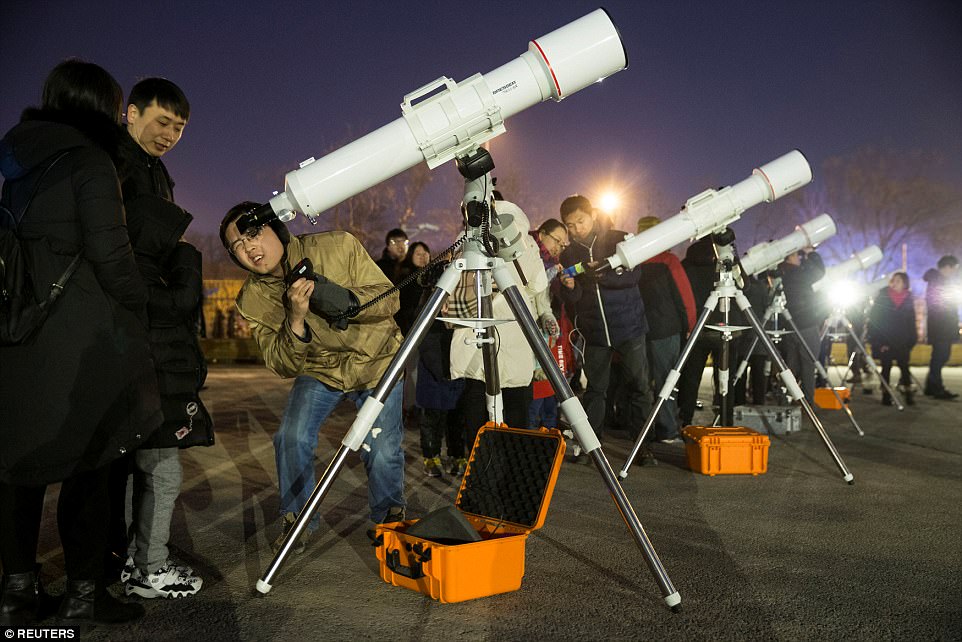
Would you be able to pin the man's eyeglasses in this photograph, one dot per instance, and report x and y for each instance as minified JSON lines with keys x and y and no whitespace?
{"x":398,"y":242}
{"x":251,"y":234}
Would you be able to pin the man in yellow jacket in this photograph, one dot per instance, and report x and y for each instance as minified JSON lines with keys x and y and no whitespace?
{"x":295,"y":321}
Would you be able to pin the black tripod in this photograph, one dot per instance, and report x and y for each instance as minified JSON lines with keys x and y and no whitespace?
{"x":488,"y":243}
{"x":778,"y":309}
{"x":720,"y":298}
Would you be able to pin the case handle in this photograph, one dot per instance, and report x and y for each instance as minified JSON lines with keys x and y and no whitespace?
{"x":393,"y":561}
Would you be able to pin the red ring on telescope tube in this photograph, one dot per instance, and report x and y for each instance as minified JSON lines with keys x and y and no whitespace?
{"x":771,"y":187}
{"x":545,"y":58}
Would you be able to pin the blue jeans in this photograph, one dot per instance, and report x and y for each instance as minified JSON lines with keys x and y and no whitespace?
{"x":308,"y":406}
{"x":543,"y":412}
{"x":662,"y":357}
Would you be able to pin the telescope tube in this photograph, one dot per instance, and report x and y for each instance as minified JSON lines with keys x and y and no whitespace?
{"x":858,"y":261}
{"x":712,"y":210}
{"x":555,"y":66}
{"x":765,"y":256}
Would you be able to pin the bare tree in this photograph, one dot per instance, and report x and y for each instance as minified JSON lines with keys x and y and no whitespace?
{"x":217,"y":263}
{"x":389,"y":204}
{"x":889,"y":198}
{"x":774,"y":220}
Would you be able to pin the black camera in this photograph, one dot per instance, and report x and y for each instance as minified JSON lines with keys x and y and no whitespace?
{"x":303,"y":270}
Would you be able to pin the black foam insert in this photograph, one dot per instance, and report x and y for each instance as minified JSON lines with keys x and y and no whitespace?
{"x":508,"y":475}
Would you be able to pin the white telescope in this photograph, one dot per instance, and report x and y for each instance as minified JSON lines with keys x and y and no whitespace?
{"x":873,"y":287}
{"x":452,"y":118}
{"x":847,"y":293}
{"x":767,"y":255}
{"x":858,"y":261}
{"x":712,"y":210}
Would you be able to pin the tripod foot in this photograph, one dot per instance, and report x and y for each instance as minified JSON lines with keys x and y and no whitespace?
{"x":674,"y":602}
{"x":850,"y":478}
{"x":622,"y":474}
{"x":263,"y":587}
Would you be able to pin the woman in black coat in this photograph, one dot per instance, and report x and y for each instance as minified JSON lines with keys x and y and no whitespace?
{"x":82,"y":391}
{"x":417,"y":257}
{"x":891,"y":331}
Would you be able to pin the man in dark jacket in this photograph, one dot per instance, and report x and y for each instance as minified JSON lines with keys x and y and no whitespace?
{"x":799,"y":272}
{"x":942,"y":303}
{"x":395,"y":249}
{"x":157,"y":113}
{"x":699,"y":266}
{"x":610,"y":315}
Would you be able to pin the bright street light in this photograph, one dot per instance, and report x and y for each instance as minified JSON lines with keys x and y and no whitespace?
{"x":609,"y":202}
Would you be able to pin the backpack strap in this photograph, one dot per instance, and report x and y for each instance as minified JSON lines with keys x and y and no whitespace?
{"x":37,"y":184}
{"x":56,"y":288}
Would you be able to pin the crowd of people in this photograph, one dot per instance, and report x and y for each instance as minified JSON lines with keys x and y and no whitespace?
{"x":87,"y":165}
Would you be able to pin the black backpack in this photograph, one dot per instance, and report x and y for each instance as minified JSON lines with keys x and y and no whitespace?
{"x":21,"y":313}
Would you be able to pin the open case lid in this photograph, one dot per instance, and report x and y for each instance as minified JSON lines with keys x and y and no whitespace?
{"x":511,"y":475}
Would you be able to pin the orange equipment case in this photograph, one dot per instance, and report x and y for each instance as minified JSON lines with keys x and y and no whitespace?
{"x":825,"y":399}
{"x":714,"y":450}
{"x":505,"y":495}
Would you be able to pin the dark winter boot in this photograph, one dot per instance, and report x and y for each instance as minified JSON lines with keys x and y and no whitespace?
{"x":87,"y":601}
{"x":19,"y":600}
{"x":886,"y":398}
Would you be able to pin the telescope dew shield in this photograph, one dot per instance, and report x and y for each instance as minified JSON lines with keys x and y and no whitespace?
{"x":868,"y":257}
{"x":872,"y":287}
{"x":713,"y":210}
{"x":580,"y":53}
{"x":818,"y":229}
{"x":765,"y":256}
{"x":861,"y":260}
{"x":460,"y":116}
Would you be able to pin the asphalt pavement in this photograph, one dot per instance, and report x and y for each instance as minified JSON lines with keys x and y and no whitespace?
{"x":793,"y":554}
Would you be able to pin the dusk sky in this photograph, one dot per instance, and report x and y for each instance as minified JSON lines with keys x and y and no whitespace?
{"x":713,"y":89}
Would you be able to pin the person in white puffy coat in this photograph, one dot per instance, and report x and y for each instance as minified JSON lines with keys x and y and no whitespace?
{"x":516,"y":361}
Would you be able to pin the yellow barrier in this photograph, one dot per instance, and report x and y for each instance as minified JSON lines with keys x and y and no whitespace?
{"x":920,"y":356}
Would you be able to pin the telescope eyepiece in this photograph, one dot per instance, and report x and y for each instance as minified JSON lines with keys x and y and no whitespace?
{"x":255,"y":218}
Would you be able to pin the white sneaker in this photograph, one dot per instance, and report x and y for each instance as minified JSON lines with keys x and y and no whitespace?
{"x":168,"y":581}
{"x":129,"y":568}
